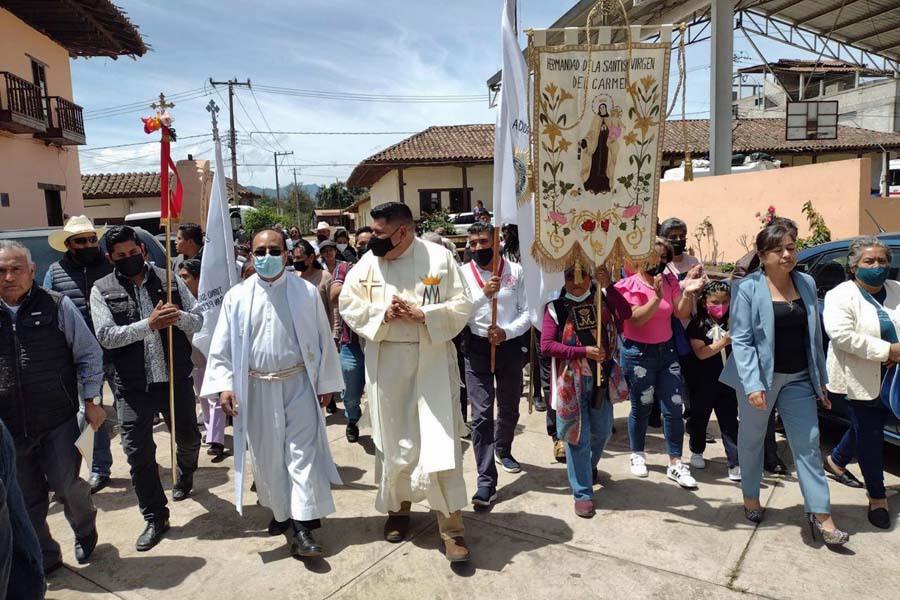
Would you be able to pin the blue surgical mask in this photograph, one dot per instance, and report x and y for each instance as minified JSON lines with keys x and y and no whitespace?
{"x":873,"y":276}
{"x":268,"y":266}
{"x":580,"y":298}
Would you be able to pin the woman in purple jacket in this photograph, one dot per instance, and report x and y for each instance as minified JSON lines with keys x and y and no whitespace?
{"x":584,"y":414}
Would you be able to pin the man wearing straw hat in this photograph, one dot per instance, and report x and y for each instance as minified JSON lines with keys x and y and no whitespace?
{"x":130,"y":313}
{"x":74,"y":276}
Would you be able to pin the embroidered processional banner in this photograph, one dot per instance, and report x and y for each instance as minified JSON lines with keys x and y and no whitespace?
{"x":599,"y":116}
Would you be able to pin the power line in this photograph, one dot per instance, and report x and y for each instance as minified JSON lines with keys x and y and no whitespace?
{"x":265,"y":120}
{"x":135,"y":109}
{"x":354,"y":97}
{"x":140,"y":104}
{"x":337,"y":132}
{"x":180,"y":138}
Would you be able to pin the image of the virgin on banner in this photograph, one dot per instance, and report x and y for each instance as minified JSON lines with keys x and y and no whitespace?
{"x":599,"y":115}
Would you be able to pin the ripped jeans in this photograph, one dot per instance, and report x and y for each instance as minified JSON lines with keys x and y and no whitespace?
{"x":652,"y":371}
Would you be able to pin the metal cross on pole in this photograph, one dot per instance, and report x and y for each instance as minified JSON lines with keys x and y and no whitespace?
{"x":213,"y":109}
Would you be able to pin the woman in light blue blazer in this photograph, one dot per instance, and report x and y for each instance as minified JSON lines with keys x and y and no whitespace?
{"x":777,"y":360}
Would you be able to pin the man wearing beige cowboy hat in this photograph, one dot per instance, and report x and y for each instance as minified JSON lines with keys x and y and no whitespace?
{"x":323,"y":233}
{"x":74,"y":276}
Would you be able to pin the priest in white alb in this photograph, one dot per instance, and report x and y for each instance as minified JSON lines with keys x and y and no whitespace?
{"x":273,"y":365}
{"x":408,"y":300}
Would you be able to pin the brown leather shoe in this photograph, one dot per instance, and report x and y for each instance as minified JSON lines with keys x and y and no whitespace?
{"x":396,"y":528}
{"x":455,"y":549}
{"x":559,"y":451}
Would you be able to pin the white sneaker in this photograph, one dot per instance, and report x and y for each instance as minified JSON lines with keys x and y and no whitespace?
{"x":734,"y":473}
{"x":638,"y":465}
{"x":697,"y":461}
{"x":680,"y":473}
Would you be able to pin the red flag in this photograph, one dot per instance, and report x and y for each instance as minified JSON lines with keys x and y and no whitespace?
{"x":168,"y":203}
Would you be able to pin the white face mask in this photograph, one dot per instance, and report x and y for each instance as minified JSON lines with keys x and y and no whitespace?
{"x":341,"y":247}
{"x":580,"y":298}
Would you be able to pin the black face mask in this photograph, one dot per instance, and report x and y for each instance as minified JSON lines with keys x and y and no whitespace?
{"x":678,"y":246}
{"x":301,"y":266}
{"x":361,"y":249}
{"x":381,"y":246}
{"x":130,"y":265}
{"x":321,"y":238}
{"x":658,"y":269}
{"x":484,"y":256}
{"x":86,"y":256}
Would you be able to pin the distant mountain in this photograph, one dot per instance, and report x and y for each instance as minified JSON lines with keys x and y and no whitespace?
{"x":311,"y":188}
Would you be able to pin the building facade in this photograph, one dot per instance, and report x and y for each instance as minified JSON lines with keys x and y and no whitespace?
{"x":40,"y":125}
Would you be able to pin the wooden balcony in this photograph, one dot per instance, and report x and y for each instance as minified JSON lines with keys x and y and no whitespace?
{"x":65,"y":124}
{"x":21,"y":108}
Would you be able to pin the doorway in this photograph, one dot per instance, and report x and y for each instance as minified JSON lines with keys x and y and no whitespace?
{"x":53,"y":202}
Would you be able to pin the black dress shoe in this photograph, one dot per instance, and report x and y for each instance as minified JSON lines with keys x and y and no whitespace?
{"x":880,"y":518}
{"x":85,"y":546}
{"x":277,"y":527}
{"x":778,"y":468}
{"x":332,"y":407}
{"x":152,"y":534}
{"x":846,"y":478}
{"x":217,"y":450}
{"x":352,"y":433}
{"x":540,"y":405}
{"x":98,"y":482}
{"x":183,"y":489}
{"x":306,"y":546}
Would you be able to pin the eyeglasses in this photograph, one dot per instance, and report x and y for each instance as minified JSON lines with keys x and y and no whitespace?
{"x":83,"y":241}
{"x":271,"y":251}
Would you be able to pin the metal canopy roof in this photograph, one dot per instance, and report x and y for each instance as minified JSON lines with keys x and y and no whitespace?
{"x":872,"y":26}
{"x":862,"y":32}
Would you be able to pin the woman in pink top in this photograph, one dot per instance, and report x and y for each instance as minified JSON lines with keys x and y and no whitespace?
{"x":650,"y":361}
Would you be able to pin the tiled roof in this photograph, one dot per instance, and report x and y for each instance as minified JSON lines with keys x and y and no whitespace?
{"x":768,"y":135}
{"x":450,"y":144}
{"x":474,"y":144}
{"x":133,"y":185}
{"x":84,"y":28}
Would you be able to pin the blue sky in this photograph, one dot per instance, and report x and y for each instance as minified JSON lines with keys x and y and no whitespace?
{"x":384,"y":47}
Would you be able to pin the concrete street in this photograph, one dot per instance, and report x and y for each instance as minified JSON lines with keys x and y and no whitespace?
{"x":650,"y":539}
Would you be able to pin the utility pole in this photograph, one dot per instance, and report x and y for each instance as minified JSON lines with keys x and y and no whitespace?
{"x":231,"y":83}
{"x":277,"y":190}
{"x":296,"y":192}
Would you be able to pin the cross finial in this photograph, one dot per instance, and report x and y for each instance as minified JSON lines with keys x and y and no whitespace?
{"x":213,"y":109}
{"x":162,"y":104}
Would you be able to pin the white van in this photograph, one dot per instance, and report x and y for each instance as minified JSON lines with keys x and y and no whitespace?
{"x":151,"y":220}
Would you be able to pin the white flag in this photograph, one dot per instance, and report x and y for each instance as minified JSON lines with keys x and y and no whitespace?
{"x":511,"y":138}
{"x":217,"y":269}
{"x":513,"y":204}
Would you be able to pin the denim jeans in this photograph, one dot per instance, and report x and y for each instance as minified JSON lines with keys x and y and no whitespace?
{"x":353,"y":368}
{"x":652,"y":371}
{"x":582,"y":459}
{"x":20,"y":550}
{"x":795,"y":399}
{"x":865,"y":439}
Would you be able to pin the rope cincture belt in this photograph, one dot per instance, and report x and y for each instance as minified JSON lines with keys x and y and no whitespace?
{"x":278,"y":375}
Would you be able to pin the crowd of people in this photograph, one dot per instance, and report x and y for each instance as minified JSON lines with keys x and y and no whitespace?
{"x":439,"y":351}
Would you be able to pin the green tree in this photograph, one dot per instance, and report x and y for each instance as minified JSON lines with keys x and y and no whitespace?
{"x":264,"y":216}
{"x":338,"y":195}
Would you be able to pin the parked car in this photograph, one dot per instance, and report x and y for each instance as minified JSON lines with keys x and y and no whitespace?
{"x":35,"y":239}
{"x":827,"y":263}
{"x":462,"y":222}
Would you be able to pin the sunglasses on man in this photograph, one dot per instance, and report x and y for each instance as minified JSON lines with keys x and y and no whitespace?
{"x":271,"y":251}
